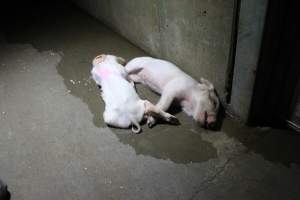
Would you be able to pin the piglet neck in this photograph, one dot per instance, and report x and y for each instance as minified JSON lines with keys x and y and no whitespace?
{"x":187,"y":106}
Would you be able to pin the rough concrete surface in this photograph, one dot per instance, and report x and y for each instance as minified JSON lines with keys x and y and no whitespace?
{"x":194,"y":34}
{"x":54,"y":144}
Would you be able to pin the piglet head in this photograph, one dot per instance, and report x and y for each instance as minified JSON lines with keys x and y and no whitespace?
{"x":206,"y":104}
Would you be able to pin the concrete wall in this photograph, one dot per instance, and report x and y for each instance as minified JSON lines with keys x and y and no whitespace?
{"x":250,"y":33}
{"x":194,"y":34}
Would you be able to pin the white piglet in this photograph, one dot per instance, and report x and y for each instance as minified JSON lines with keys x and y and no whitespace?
{"x":197,"y":99}
{"x":123,"y":106}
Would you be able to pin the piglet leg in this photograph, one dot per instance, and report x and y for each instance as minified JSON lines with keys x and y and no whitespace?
{"x":168,"y":95}
{"x":152,"y":111}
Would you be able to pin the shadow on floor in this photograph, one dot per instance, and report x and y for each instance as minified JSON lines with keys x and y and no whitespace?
{"x":275,"y":145}
{"x":4,"y":193}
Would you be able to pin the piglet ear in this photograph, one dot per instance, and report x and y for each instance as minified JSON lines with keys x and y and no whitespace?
{"x":95,"y":62}
{"x":121,"y":60}
{"x":209,"y":85}
{"x":202,"y":86}
{"x":98,"y":59}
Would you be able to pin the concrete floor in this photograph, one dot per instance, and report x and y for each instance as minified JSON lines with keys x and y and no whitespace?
{"x":54,"y":144}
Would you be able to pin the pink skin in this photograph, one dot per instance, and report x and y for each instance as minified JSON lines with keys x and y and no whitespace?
{"x":111,"y":76}
{"x":103,"y":73}
{"x":210,"y":118}
{"x":163,"y":77}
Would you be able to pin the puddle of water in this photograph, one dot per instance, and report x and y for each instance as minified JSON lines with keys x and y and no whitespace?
{"x":79,"y":38}
{"x":181,"y":144}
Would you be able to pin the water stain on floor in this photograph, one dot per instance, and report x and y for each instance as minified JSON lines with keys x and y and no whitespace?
{"x":78,"y":37}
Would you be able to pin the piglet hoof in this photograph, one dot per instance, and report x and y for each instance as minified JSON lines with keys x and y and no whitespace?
{"x":173,"y":120}
{"x":150,"y":125}
{"x":151,"y":122}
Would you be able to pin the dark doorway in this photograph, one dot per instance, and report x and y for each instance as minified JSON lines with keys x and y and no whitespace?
{"x":276,"y":91}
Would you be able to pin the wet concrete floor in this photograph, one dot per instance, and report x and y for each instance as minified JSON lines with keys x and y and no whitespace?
{"x":52,"y":124}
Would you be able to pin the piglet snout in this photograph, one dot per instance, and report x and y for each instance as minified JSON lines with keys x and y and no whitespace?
{"x":209,"y":121}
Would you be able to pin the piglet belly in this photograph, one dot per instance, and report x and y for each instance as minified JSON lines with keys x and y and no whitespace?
{"x":153,"y":81}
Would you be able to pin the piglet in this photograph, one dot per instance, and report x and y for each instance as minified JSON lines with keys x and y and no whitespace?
{"x":123,"y":106}
{"x":197,"y":99}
